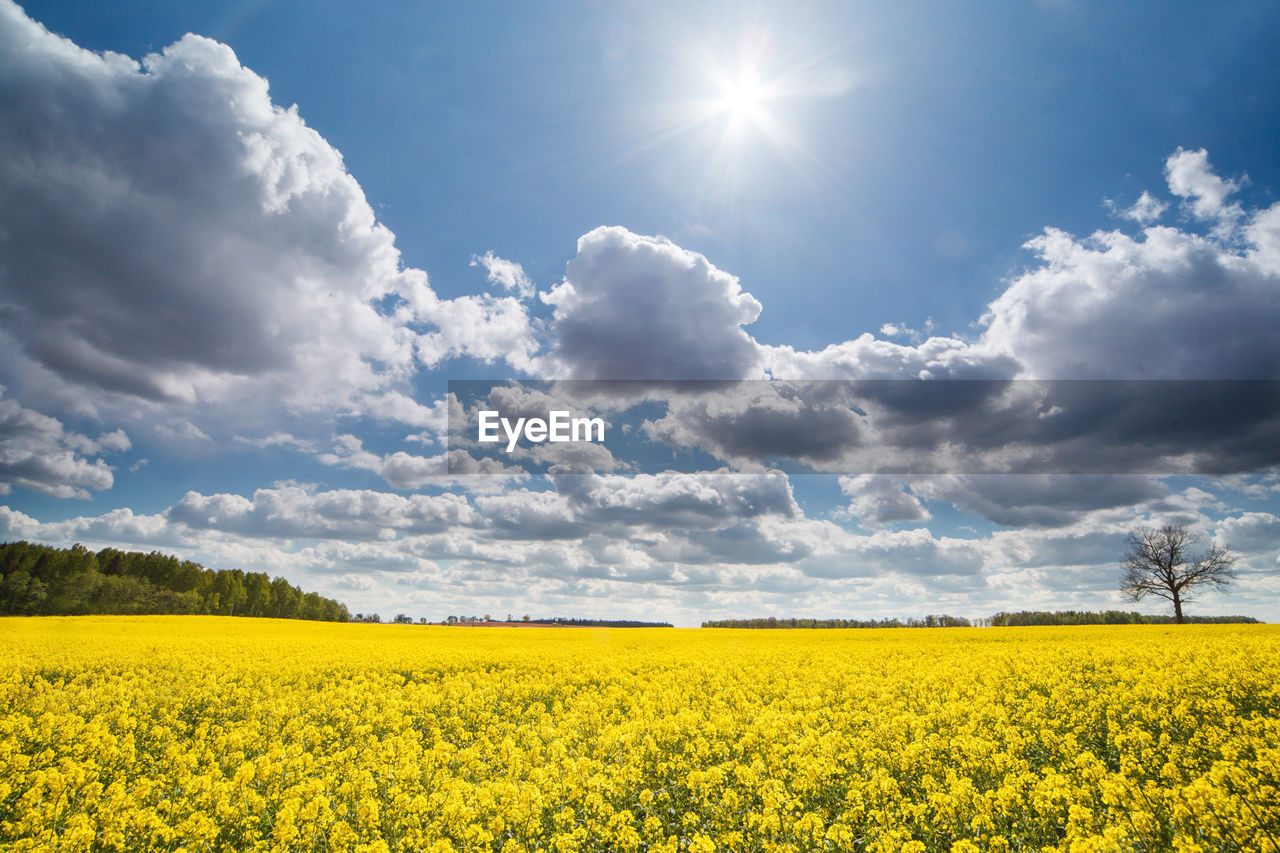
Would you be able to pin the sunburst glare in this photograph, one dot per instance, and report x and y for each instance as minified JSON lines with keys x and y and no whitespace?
{"x":731,"y":115}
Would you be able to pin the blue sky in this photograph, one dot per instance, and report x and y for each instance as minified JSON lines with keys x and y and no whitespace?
{"x":229,"y":308}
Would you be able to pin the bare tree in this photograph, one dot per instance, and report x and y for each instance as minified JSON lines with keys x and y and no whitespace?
{"x":1159,"y":562}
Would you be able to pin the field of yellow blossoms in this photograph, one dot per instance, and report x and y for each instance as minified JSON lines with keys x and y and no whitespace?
{"x":207,"y":733}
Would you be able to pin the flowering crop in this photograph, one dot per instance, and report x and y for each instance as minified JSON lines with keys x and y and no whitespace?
{"x":208,"y":733}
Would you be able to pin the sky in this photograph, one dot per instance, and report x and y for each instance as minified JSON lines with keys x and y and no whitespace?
{"x":246,"y":246}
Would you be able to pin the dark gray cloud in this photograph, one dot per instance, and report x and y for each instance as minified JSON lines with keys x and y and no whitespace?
{"x":1100,"y":547}
{"x":750,"y":422}
{"x":1038,"y":500}
{"x":903,"y":427}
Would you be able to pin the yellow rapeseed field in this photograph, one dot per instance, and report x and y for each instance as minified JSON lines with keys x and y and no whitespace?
{"x":207,"y":733}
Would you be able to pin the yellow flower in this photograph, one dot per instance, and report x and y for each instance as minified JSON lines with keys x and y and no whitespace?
{"x":206,"y":733}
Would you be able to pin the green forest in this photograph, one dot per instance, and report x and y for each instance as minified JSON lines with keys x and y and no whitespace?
{"x":39,"y":580}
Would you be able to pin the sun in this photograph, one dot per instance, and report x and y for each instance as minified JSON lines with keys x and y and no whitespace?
{"x":740,"y":101}
{"x":733,"y":118}
{"x":743,"y":98}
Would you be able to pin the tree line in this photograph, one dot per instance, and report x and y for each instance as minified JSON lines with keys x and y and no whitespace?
{"x":1000,"y":620}
{"x":1106,"y":617}
{"x":39,"y":580}
{"x":554,"y":621}
{"x":931,"y":621}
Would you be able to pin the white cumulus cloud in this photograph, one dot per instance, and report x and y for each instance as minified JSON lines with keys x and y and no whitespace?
{"x":172,"y":235}
{"x":635,"y":307}
{"x":876,"y":500}
{"x":37,"y":452}
{"x":509,"y":274}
